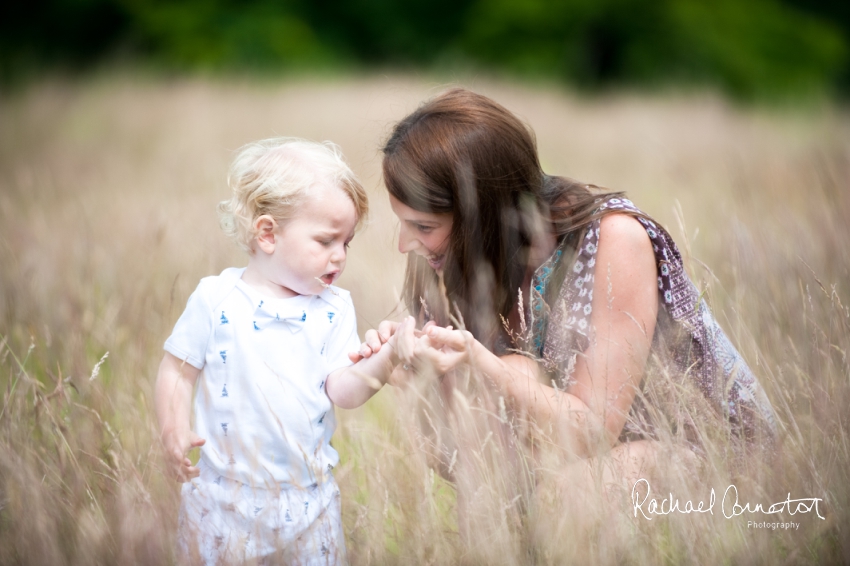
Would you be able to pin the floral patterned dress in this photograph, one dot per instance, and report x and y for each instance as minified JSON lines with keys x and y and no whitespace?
{"x":688,"y":343}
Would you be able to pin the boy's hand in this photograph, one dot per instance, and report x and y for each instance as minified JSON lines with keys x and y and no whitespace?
{"x":176,"y":446}
{"x":374,"y":340}
{"x":173,"y":390}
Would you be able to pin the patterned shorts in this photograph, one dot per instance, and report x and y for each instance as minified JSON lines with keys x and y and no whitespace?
{"x":224,"y":521}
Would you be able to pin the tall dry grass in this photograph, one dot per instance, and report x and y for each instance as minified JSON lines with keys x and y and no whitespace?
{"x":107,"y":194}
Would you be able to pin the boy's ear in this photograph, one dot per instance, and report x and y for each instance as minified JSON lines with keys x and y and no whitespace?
{"x":265,"y":228}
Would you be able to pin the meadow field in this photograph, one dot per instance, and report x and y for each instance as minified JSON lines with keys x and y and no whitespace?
{"x":108,"y":188}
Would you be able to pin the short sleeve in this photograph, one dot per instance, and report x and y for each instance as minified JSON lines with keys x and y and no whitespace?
{"x":344,"y":339}
{"x":191,"y":334}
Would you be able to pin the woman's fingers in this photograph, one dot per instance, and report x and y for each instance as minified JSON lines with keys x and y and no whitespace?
{"x":425,"y":328}
{"x":439,"y":361}
{"x":446,"y":337}
{"x":435,"y":348}
{"x":440,"y":350}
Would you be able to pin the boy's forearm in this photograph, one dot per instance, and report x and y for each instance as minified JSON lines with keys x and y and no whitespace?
{"x":350,"y":387}
{"x":173,"y":405}
{"x":173,"y":395}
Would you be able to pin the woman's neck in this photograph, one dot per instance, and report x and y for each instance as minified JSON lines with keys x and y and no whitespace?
{"x":543,"y":245}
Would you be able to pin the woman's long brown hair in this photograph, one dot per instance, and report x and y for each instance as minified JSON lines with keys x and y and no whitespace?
{"x":463,"y":153}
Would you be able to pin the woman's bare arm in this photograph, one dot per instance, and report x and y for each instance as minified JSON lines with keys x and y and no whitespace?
{"x":625,"y":307}
{"x":607,"y":374}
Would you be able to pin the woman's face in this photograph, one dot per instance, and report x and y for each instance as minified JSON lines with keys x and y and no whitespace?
{"x":424,"y":233}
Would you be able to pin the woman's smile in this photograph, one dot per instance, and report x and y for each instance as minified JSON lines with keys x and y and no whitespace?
{"x":436,"y":261}
{"x":424,"y":233}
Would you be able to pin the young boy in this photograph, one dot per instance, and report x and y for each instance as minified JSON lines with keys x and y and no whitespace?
{"x":272,"y":340}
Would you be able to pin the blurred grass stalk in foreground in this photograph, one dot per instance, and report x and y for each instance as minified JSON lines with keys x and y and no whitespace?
{"x":107,"y":193}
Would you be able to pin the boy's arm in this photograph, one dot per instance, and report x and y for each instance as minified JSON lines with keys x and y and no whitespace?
{"x":173,"y":399}
{"x":351,"y":386}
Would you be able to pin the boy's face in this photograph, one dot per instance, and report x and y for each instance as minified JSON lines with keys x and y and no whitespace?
{"x":312,"y":246}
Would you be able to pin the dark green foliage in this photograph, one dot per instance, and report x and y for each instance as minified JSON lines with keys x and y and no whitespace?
{"x":836,"y":12}
{"x":381,"y":31}
{"x":222,"y":33}
{"x":752,"y":49}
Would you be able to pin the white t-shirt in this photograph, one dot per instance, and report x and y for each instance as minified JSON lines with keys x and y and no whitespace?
{"x":260,"y":402}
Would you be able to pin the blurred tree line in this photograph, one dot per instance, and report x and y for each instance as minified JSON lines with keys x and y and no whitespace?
{"x":749,"y":48}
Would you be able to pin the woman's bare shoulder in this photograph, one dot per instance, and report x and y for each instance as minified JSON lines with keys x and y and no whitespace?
{"x":626,"y":260}
{"x":621,"y":235}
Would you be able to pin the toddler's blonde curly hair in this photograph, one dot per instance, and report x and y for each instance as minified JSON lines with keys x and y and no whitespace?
{"x":273,"y":176}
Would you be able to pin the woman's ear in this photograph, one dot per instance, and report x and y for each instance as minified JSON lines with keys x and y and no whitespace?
{"x":265,"y":228}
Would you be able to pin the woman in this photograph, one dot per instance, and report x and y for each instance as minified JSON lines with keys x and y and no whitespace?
{"x":588,"y":288}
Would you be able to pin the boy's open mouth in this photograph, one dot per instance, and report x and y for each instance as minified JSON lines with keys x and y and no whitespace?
{"x":328,"y":278}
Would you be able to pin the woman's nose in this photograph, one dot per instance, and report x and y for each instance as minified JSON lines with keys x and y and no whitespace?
{"x":406,"y":242}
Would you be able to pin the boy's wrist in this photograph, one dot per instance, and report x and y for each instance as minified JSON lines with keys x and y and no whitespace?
{"x":171,"y":431}
{"x":388,"y":354}
{"x":388,"y":360}
{"x":392,"y":355}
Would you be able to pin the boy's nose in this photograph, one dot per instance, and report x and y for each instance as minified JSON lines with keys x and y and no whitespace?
{"x":338,"y":254}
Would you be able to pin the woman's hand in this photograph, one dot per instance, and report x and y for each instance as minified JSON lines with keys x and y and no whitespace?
{"x":435,"y":349}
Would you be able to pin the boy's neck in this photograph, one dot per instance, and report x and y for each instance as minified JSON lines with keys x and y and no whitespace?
{"x":256,"y":277}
